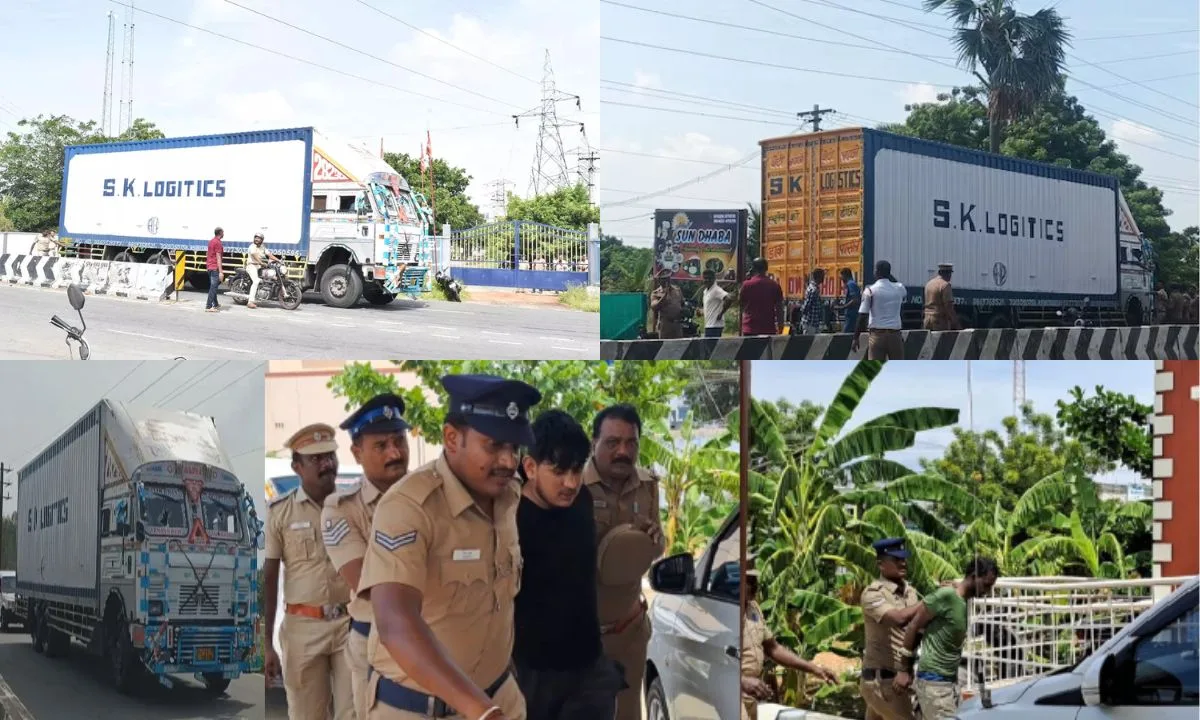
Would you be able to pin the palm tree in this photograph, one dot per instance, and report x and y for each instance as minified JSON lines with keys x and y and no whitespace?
{"x":754,"y":234}
{"x":1019,"y":58}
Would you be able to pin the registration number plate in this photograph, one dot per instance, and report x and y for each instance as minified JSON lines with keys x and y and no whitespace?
{"x":205,"y":654}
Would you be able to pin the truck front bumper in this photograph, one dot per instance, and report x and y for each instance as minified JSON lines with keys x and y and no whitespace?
{"x":217,"y":649}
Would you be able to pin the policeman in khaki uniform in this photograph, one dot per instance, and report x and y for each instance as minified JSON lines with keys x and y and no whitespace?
{"x":443,"y":566}
{"x":379,"y":441}
{"x":939,"y":301}
{"x":629,"y":538}
{"x":667,"y":303}
{"x":759,"y":644}
{"x":888,"y":605}
{"x":316,"y":672}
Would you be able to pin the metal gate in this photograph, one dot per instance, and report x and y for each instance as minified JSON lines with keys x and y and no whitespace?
{"x":520,"y":254}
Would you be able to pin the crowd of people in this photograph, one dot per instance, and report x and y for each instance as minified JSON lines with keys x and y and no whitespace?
{"x":501,"y":581}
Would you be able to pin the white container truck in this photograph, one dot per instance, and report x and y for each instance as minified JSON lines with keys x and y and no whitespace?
{"x":344,"y":221}
{"x":135,"y":538}
{"x":1026,"y":238}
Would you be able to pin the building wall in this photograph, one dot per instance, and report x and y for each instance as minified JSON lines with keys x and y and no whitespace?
{"x":1176,"y":474}
{"x":297,"y":395}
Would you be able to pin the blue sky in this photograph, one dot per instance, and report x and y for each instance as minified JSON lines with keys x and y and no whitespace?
{"x":190,"y":82}
{"x":646,"y":150}
{"x":944,"y":384}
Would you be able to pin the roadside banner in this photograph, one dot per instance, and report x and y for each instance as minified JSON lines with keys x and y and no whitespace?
{"x":688,"y":242}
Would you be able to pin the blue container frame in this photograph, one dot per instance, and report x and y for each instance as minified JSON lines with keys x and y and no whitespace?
{"x":876,"y":140}
{"x":304,"y":134}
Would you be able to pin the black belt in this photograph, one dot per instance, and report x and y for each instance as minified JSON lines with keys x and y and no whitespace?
{"x":396,"y":695}
{"x":362,"y":628}
{"x":872,"y":674}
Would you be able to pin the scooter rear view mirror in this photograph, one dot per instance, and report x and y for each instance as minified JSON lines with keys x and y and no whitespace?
{"x":75,"y":297}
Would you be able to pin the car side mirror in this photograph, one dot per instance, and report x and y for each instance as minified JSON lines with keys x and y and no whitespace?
{"x":1107,"y":678}
{"x":673,"y":575}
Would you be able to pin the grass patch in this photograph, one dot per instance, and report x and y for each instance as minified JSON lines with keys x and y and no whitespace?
{"x":577,"y":297}
{"x":437,"y":293}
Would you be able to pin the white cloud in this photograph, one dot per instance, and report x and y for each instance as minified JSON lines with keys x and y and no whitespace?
{"x":646,"y":80}
{"x":1129,"y":130}
{"x":914,"y":93}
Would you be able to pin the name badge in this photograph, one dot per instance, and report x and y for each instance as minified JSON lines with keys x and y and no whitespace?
{"x":599,"y":503}
{"x":460,"y":555}
{"x":300,"y":525}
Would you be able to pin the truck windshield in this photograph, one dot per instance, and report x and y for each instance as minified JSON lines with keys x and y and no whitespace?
{"x":407,"y":210}
{"x":8,"y":584}
{"x":166,"y":511}
{"x":222,"y":514}
{"x":163,"y":508}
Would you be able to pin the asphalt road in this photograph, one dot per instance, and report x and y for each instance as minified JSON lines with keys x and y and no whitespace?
{"x":76,"y":687}
{"x":405,"y":330}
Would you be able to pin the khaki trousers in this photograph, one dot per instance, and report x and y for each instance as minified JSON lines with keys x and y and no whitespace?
{"x":885,"y":345}
{"x":629,"y":649}
{"x":508,"y":697}
{"x":316,"y":672}
{"x":883,"y":702}
{"x":356,"y":658}
{"x":938,"y":700}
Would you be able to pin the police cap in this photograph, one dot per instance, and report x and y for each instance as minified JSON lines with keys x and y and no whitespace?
{"x":316,"y":439}
{"x":381,"y":414}
{"x":890,"y":547}
{"x":495,"y":406}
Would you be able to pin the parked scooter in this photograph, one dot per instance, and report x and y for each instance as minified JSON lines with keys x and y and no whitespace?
{"x":275,"y":286}
{"x":450,"y":287}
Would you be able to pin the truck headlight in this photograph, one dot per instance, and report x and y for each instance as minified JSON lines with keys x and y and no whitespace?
{"x":155,"y":608}
{"x":243,"y":609}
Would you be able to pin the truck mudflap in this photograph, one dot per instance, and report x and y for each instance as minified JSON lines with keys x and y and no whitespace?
{"x":198,"y":650}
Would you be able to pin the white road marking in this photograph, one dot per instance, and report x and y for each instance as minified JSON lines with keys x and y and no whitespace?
{"x":504,"y":342}
{"x":184,"y":342}
{"x":452,"y":312}
{"x":439,"y":327}
{"x":395,"y":330}
{"x":488,"y":332}
{"x":555,"y":339}
{"x":571,"y":349}
{"x":10,"y":705}
{"x":448,"y":337}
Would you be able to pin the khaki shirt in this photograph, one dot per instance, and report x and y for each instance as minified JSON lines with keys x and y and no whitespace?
{"x":755,"y":633}
{"x":667,"y":303}
{"x":635,"y":503}
{"x":346,"y":525}
{"x":939,"y":300}
{"x":294,"y":536}
{"x":256,"y":256}
{"x":883,"y":641}
{"x":429,"y":534}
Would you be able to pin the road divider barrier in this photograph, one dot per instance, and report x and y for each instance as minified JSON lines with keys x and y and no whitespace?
{"x":1160,"y":342}
{"x":143,"y":281}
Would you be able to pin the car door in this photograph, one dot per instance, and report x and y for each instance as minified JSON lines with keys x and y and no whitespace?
{"x":707,"y":629}
{"x":1166,"y":674}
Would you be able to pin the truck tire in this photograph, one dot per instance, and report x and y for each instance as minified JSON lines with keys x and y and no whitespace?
{"x":3,"y":621}
{"x":215,"y":683}
{"x":198,"y":280}
{"x":39,"y":631}
{"x":123,"y":661}
{"x":124,"y":256}
{"x":376,"y":295}
{"x":58,"y":643}
{"x":656,"y":701}
{"x":341,"y":286}
{"x":1134,"y":316}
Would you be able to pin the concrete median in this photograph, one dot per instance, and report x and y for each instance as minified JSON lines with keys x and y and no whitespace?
{"x":11,"y":707}
{"x":143,"y":281}
{"x":1160,"y":342}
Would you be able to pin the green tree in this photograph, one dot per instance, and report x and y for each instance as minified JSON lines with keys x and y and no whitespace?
{"x":1111,"y":424}
{"x":624,"y":268}
{"x":450,"y":200}
{"x":754,"y":236}
{"x":566,"y":208}
{"x":1059,"y":131}
{"x":1019,"y":58}
{"x":1176,"y":257}
{"x":31,"y":165}
{"x":6,"y":225}
{"x":714,"y":390}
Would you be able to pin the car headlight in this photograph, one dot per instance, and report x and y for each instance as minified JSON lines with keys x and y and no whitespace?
{"x":155,"y":608}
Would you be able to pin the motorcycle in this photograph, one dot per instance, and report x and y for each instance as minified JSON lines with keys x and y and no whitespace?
{"x":451,"y":288}
{"x":275,"y":286}
{"x":689,"y":326}
{"x":1076,"y":317}
{"x":75,"y":334}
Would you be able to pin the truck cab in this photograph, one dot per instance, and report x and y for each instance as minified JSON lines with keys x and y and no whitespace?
{"x":1136,"y":268}
{"x":8,"y":600}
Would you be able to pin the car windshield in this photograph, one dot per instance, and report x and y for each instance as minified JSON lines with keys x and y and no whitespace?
{"x":8,"y":583}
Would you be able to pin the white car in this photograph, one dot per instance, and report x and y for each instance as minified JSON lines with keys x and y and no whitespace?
{"x":693,"y":666}
{"x":1147,"y":670}
{"x":8,"y":600}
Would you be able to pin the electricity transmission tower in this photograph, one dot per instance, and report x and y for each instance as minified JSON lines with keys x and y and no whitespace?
{"x":499,"y":196}
{"x":550,"y":171}
{"x":125,"y":117}
{"x":106,"y":119}
{"x":1018,"y":386}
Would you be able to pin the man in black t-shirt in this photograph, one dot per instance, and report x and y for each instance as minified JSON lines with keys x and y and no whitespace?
{"x":559,"y":661}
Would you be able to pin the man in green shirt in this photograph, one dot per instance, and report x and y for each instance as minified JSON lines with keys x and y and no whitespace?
{"x":942,"y":618}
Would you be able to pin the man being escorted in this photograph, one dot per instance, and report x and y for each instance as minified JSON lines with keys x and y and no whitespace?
{"x":379,"y":441}
{"x":666,"y":301}
{"x":939,"y":301}
{"x":560,"y":663}
{"x":888,"y":605}
{"x":942,"y":617}
{"x":758,"y":644}
{"x":316,"y":673}
{"x":444,"y":566}
{"x":630,"y":537}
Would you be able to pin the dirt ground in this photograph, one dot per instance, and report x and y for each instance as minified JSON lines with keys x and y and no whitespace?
{"x":510,"y":297}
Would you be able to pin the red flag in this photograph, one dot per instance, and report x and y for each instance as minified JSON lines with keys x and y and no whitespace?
{"x":421,"y":153}
{"x":381,"y":148}
{"x":429,"y":148}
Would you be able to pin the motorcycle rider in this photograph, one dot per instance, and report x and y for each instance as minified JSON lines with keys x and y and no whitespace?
{"x":257,"y":258}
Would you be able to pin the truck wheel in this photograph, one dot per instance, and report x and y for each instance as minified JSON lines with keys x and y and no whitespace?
{"x":3,"y":621}
{"x":1133,"y":313}
{"x":123,"y":660}
{"x":198,"y":280}
{"x":58,"y":643}
{"x":376,"y":295}
{"x":999,"y":320}
{"x":40,"y":629}
{"x":656,"y":701}
{"x":215,"y":683}
{"x":341,"y":286}
{"x":124,"y":256}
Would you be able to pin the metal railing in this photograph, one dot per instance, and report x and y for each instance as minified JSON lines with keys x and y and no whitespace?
{"x":518,"y":244}
{"x":1032,"y":626}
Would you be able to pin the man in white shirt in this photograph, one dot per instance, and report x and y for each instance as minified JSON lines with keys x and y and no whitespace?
{"x":716,"y":302}
{"x":879,"y":315}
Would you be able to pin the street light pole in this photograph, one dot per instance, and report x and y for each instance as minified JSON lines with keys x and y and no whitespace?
{"x":3,"y":496}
